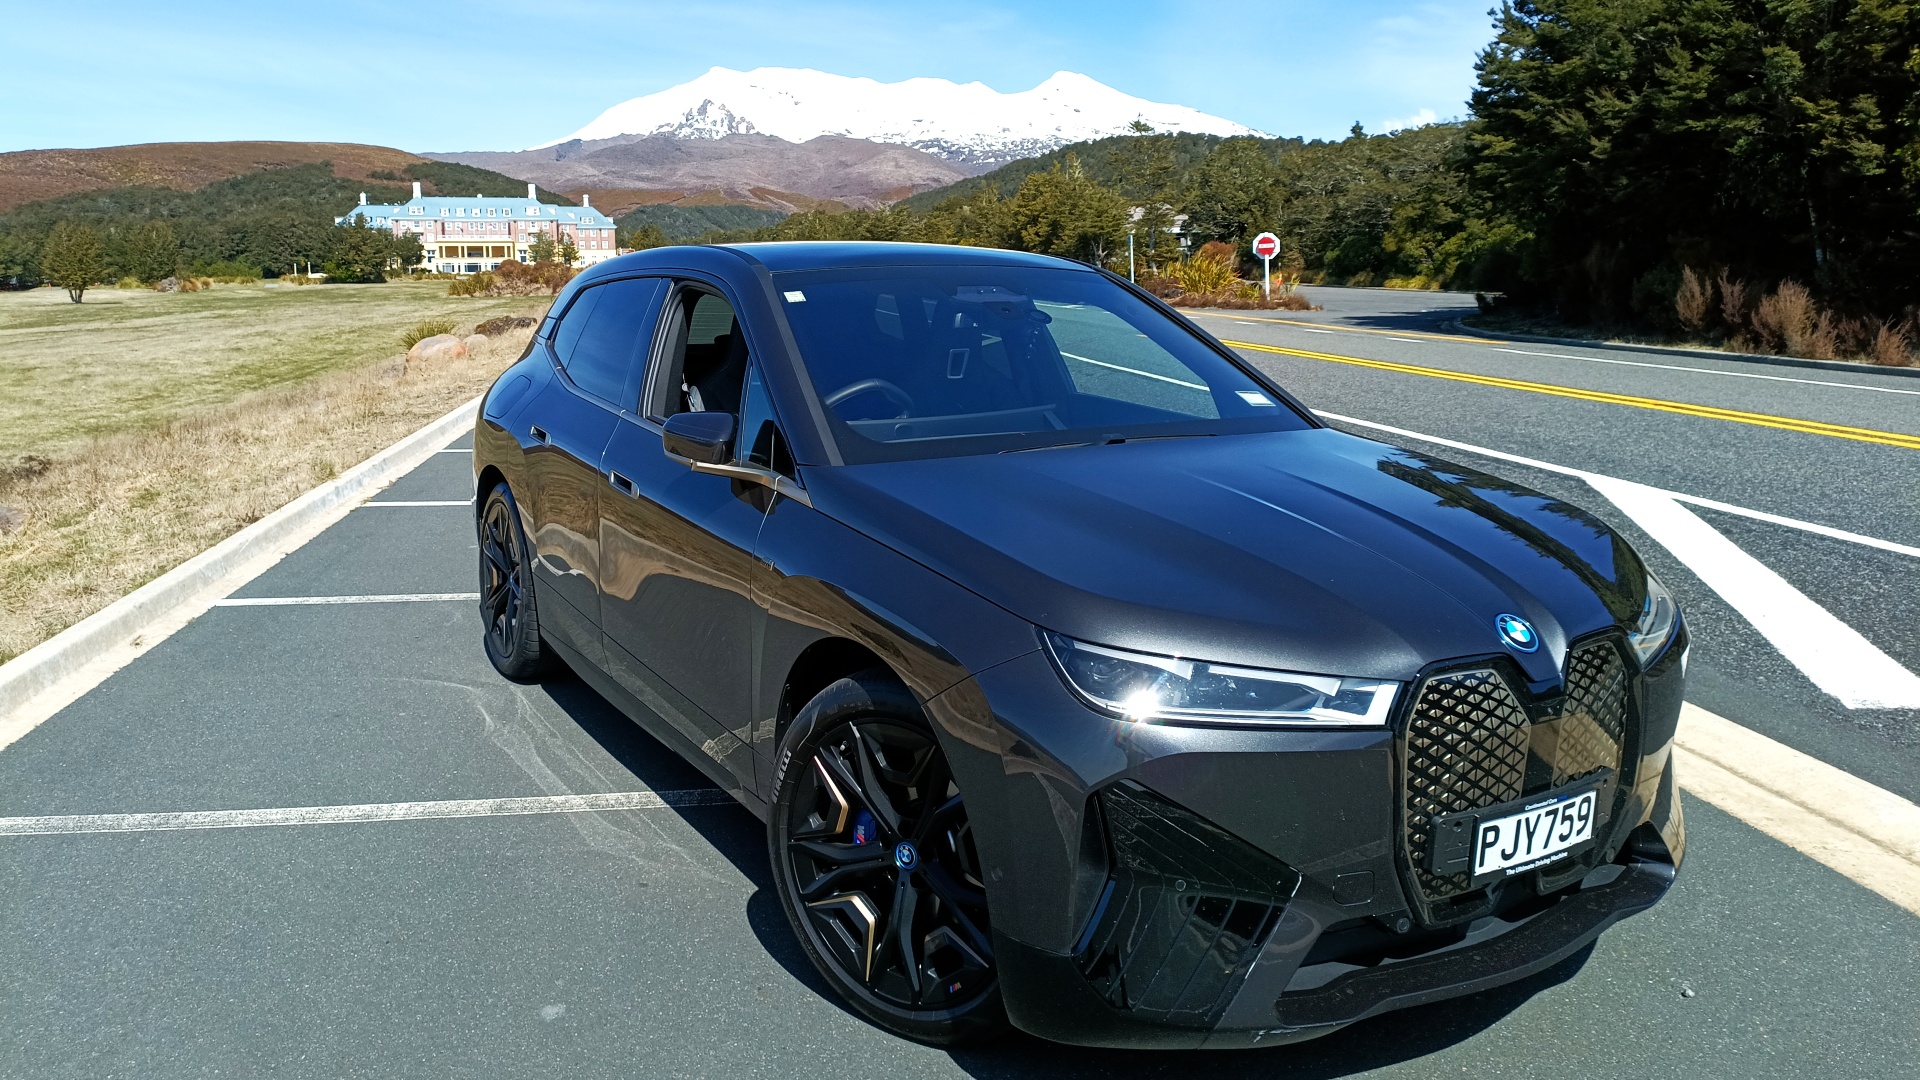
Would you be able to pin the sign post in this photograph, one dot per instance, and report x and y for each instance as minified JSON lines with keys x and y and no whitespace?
{"x":1266,"y":245}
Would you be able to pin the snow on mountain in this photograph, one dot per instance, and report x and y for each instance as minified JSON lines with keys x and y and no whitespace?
{"x":971,"y":123}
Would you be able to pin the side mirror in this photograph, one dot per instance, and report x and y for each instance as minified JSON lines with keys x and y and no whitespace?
{"x":699,"y":438}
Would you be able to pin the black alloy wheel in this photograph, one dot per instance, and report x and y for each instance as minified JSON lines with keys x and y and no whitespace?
{"x":507,"y":606}
{"x":876,"y":865}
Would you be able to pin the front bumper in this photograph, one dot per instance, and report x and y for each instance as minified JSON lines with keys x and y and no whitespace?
{"x":1264,"y":894}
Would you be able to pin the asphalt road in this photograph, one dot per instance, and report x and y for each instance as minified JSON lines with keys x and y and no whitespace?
{"x":648,"y":942}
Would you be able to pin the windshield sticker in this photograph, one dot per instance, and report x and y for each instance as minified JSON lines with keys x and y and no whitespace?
{"x":1254,"y":397}
{"x":795,"y":296}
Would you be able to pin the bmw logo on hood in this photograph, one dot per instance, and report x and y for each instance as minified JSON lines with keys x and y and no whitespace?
{"x":1517,"y":632}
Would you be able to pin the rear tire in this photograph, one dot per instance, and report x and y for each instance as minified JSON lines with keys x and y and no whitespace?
{"x":509,"y":615}
{"x":875,"y":865}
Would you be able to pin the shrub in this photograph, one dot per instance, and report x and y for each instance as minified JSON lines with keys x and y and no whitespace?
{"x":1208,"y":273}
{"x":480,"y":284}
{"x":1736,"y":305}
{"x":423,"y":330}
{"x":497,"y":326}
{"x":1693,"y":303}
{"x":1893,"y":344}
{"x":1785,"y":319}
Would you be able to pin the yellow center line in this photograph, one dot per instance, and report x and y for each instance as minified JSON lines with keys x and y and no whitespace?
{"x":1784,"y":423}
{"x":1428,"y":334}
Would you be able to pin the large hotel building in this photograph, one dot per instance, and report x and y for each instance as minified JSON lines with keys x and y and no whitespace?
{"x":466,"y":236}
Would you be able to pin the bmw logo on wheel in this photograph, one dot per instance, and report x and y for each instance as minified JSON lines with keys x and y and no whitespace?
{"x":1517,"y":632}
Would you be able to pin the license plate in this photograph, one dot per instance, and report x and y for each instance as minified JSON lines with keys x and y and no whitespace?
{"x":1539,"y":834}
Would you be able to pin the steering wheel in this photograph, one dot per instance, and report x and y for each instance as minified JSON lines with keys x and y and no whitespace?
{"x":865,"y":386}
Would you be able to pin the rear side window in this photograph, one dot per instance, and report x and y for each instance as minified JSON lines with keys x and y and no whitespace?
{"x":606,"y":333}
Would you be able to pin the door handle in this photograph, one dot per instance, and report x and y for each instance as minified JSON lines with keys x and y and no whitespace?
{"x":539,"y":435}
{"x":620,"y":483}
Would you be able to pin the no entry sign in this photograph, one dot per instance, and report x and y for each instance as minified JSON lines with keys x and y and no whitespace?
{"x":1266,"y":246}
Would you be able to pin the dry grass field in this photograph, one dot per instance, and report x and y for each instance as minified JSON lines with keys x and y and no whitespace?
{"x":140,"y":428}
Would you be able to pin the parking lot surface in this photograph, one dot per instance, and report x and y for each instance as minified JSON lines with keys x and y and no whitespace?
{"x":410,"y":877}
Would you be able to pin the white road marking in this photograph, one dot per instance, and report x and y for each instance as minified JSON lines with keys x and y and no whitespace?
{"x":1865,"y":832}
{"x":419,"y":502}
{"x":1311,"y":330}
{"x":67,"y":824}
{"x":1828,"y":651}
{"x":386,"y":598}
{"x":1132,"y":371}
{"x":1407,"y":341}
{"x":1696,"y":500}
{"x":1713,"y":371}
{"x":456,"y":450}
{"x":1832,"y":654}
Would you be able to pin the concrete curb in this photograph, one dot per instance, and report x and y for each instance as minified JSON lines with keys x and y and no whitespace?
{"x":129,"y":621}
{"x":1461,"y":327}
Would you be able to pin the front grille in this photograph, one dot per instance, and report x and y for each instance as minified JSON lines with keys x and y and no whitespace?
{"x":1470,"y":742}
{"x":1185,"y":912}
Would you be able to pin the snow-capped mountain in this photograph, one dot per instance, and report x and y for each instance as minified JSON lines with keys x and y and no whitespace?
{"x":971,"y":123}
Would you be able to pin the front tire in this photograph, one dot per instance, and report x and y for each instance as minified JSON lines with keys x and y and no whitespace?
{"x":876,"y":867}
{"x":508,"y":610}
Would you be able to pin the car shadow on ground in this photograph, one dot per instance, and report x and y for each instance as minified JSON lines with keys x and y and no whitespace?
{"x":729,"y":829}
{"x":1371,"y":1044}
{"x":740,"y":837}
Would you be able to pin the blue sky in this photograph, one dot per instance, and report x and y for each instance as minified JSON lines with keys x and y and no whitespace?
{"x":482,"y":75}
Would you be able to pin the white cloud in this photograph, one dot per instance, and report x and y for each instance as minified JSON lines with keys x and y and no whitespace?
{"x":1419,"y":119}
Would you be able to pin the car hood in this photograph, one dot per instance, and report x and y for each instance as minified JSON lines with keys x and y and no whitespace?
{"x":1306,"y":550}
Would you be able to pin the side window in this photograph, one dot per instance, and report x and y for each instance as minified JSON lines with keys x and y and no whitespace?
{"x":604,"y":332}
{"x":760,"y":442}
{"x":703,"y":357}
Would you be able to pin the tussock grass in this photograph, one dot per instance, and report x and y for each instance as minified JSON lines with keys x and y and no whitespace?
{"x":99,"y":517}
{"x":421,"y":331}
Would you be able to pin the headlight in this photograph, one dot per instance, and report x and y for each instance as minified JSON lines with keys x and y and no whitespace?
{"x":1654,"y":628}
{"x":1140,"y":686}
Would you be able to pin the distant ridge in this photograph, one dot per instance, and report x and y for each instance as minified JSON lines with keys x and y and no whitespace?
{"x":33,"y":175}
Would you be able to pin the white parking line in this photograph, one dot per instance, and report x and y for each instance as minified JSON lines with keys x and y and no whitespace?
{"x":378,"y":598}
{"x":1711,"y":504}
{"x":67,"y":824}
{"x":1835,"y":656}
{"x":419,"y":502}
{"x":1712,"y":371}
{"x":1832,"y":654}
{"x":456,"y":450}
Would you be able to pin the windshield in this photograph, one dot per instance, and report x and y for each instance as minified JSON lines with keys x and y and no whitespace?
{"x":925,"y":361}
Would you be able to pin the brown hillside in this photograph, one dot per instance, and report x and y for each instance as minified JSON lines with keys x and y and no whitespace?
{"x":757,"y":170}
{"x":615,"y":202}
{"x":31,"y":175}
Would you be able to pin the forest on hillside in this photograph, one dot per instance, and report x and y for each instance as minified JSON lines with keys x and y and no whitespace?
{"x":269,"y":222}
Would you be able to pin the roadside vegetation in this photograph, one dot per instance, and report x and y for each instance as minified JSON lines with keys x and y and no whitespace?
{"x":139,"y":429}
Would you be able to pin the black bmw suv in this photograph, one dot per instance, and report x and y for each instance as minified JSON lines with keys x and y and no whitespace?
{"x":1084,"y":680}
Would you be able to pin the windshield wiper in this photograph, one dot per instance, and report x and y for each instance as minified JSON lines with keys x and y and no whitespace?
{"x":1110,"y":440}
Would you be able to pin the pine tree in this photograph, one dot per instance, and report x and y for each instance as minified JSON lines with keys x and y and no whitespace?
{"x":1063,"y":212}
{"x":1149,"y":178}
{"x":1774,"y":137}
{"x":73,"y":258}
{"x":153,"y":252}
{"x":360,"y":252}
{"x":569,"y":253}
{"x":541,"y":248}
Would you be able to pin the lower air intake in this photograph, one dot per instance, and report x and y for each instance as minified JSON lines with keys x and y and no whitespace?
{"x":1185,"y":911}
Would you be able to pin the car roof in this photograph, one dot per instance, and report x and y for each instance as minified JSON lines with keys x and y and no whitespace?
{"x":831,"y":254}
